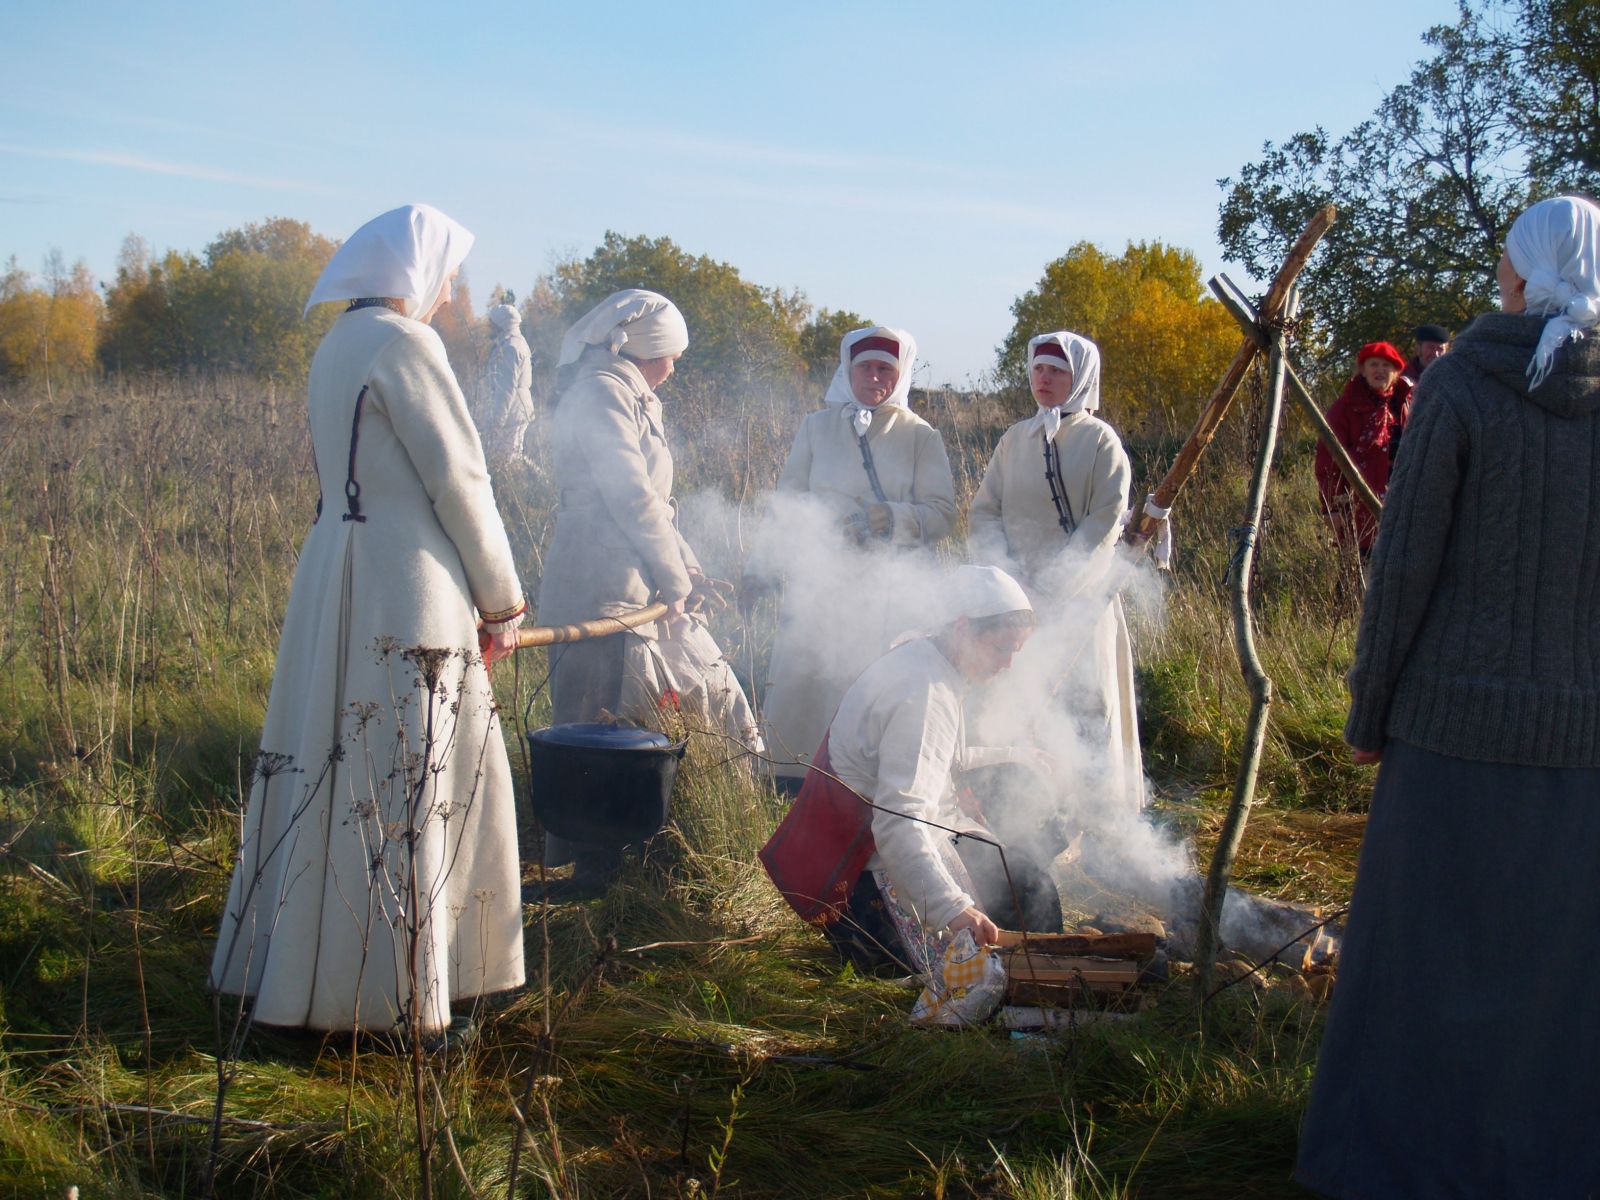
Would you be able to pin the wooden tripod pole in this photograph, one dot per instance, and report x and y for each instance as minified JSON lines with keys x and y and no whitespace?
{"x":1240,"y":565}
{"x":1142,"y":527}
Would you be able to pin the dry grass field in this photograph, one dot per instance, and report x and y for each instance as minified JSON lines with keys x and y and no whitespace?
{"x":148,"y":532}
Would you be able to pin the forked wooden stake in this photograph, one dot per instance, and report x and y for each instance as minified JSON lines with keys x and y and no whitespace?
{"x":1240,"y":564}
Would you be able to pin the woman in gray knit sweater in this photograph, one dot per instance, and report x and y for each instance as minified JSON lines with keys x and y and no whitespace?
{"x":1462,"y":1056}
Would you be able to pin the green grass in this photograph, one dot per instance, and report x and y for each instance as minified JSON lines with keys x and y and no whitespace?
{"x":143,"y":584}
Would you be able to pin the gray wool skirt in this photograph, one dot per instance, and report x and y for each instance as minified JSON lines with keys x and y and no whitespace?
{"x":1462,"y":1051}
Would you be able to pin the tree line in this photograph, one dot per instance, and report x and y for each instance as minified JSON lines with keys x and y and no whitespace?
{"x":237,"y":307}
{"x":1503,"y":108}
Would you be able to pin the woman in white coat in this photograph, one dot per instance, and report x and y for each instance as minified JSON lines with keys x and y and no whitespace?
{"x":616,"y":547}
{"x":878,"y":477}
{"x":378,"y":882}
{"x":1050,"y":510}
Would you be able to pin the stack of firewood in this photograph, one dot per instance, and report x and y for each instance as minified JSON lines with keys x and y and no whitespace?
{"x":1078,"y":971}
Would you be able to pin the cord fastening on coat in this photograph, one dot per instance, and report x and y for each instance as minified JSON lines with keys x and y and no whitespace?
{"x":871,"y":468}
{"x":1058,"y":491}
{"x":352,"y":489}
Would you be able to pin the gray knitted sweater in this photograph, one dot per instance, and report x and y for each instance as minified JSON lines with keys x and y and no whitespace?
{"x":1480,"y":636}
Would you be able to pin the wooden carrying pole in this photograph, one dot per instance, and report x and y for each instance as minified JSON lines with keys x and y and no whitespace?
{"x":552,"y":635}
{"x":1141,"y":527}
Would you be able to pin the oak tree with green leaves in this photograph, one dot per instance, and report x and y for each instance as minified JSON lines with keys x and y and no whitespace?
{"x":739,"y":331}
{"x":237,"y":307}
{"x":1504,"y":108}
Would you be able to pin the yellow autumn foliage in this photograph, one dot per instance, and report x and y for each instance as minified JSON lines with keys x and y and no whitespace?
{"x":1163,"y":342}
{"x":47,"y":327}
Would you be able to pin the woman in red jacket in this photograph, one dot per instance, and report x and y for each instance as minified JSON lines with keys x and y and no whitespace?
{"x":1367,"y":417}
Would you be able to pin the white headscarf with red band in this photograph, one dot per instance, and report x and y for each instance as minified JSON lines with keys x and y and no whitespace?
{"x":407,"y":253}
{"x":1082,"y":358}
{"x":904,"y":358}
{"x":635,"y":322}
{"x":1555,"y":246}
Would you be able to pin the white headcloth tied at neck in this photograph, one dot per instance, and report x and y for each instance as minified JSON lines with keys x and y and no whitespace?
{"x":644,"y":324}
{"x":1068,"y":352}
{"x":408,"y":253}
{"x":1555,"y":246}
{"x":876,"y":343}
{"x":976,"y":592}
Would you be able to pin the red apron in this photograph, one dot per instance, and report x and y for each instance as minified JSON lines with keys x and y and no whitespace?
{"x":819,"y":850}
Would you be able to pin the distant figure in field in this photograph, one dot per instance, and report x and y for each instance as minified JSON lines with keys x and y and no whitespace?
{"x":1367,"y":418}
{"x":1460,"y":1057}
{"x":378,"y":884}
{"x":510,"y":382}
{"x":1427,"y":344}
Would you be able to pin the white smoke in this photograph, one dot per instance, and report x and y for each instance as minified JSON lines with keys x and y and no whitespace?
{"x":847,"y":605}
{"x":851,"y":604}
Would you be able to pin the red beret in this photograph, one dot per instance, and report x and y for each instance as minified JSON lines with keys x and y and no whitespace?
{"x":1381,"y":350}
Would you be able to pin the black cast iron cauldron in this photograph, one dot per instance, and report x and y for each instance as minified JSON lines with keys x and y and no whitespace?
{"x":607,"y":785}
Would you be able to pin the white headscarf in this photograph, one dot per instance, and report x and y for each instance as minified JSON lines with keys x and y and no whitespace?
{"x":1555,"y":246}
{"x":505,"y":318}
{"x":976,"y":592}
{"x":647,"y":323}
{"x":904,"y":358}
{"x":1083,"y":360}
{"x":407,"y":253}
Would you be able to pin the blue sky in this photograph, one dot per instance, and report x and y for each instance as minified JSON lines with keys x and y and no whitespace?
{"x":917,"y":163}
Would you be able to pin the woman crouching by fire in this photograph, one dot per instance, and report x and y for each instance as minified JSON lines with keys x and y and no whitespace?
{"x":1460,"y":1056}
{"x":865,"y":475}
{"x":886,"y":886}
{"x":1050,"y":510}
{"x":616,"y":547}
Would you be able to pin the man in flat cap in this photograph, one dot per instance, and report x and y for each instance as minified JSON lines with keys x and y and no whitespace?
{"x":1427,"y":344}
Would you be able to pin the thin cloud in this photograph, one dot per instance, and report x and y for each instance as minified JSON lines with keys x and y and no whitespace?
{"x":672,"y":142}
{"x":899,"y":202}
{"x":785,"y":156}
{"x":134,"y":162}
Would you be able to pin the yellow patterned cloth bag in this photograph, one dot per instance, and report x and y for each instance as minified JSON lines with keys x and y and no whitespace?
{"x":966,"y":987}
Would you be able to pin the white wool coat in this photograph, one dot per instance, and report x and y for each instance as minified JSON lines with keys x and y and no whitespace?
{"x":616,"y":546}
{"x":898,"y":736}
{"x":909,"y":454}
{"x":816,"y":654}
{"x":332,"y":899}
{"x":1013,"y":525}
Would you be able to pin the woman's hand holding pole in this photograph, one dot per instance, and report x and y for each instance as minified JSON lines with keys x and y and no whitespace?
{"x":502,"y":642}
